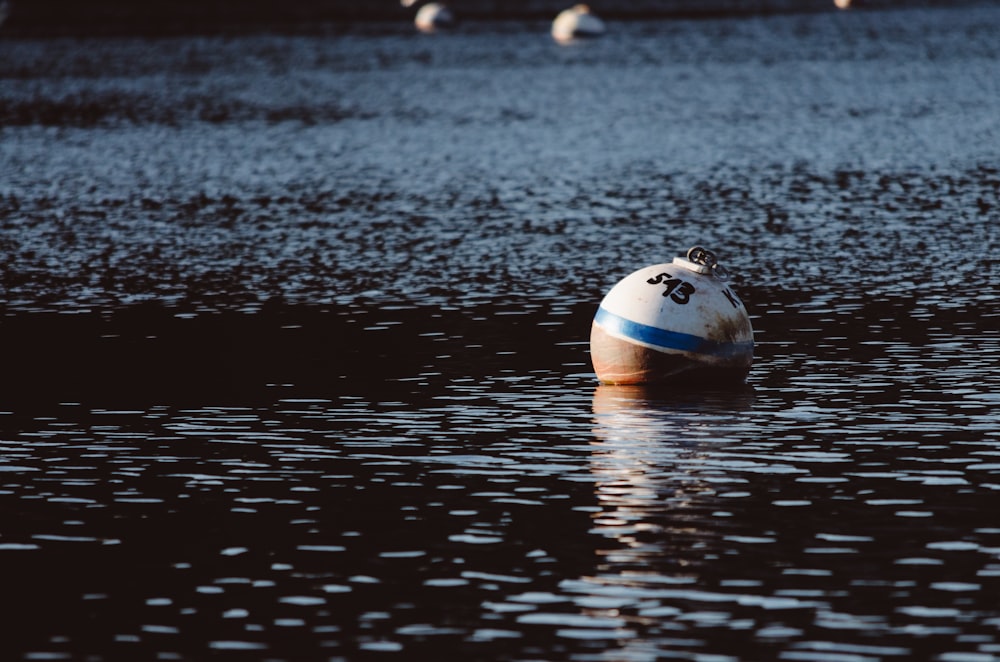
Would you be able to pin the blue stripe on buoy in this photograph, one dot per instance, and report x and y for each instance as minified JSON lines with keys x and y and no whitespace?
{"x":684,"y":342}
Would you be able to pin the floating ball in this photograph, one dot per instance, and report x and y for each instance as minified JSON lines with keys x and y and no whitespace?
{"x":675,"y":323}
{"x":434,"y":16}
{"x":577,"y":22}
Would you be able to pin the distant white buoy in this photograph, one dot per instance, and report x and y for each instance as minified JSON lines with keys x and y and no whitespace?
{"x":672,"y":323}
{"x":842,"y":4}
{"x":434,"y":16}
{"x":577,"y":22}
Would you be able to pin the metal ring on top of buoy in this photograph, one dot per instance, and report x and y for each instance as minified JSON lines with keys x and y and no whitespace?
{"x":700,"y":255}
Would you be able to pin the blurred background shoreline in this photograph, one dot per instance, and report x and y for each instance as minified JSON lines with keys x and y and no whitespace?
{"x":100,"y":17}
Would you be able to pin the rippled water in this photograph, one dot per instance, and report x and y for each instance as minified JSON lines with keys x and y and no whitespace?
{"x":296,"y":332}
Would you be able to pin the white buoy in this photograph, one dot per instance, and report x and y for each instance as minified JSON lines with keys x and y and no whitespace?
{"x":842,"y":4}
{"x":577,"y":22}
{"x":672,"y":323}
{"x":434,"y":16}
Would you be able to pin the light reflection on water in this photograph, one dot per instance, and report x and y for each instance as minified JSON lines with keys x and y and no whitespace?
{"x":334,"y":401}
{"x":589,"y":519}
{"x":786,"y":519}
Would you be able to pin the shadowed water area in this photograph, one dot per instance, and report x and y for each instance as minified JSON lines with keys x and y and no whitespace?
{"x":295,"y":334}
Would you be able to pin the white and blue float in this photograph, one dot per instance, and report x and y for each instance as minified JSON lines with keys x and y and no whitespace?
{"x":676,"y":323}
{"x":577,"y":22}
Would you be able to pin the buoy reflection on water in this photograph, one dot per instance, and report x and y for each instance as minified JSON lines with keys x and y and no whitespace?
{"x":651,"y":460}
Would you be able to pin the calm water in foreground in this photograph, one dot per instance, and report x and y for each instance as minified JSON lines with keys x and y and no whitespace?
{"x":296,"y":361}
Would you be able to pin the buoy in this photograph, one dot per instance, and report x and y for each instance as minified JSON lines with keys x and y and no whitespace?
{"x":673,"y":323}
{"x":577,"y":22}
{"x":434,"y":16}
{"x":842,"y":4}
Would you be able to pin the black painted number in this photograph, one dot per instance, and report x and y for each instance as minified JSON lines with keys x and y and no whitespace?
{"x":678,"y":290}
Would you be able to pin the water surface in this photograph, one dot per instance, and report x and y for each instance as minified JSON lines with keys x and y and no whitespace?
{"x":296,"y":332}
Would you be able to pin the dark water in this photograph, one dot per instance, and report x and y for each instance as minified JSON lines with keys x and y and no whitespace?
{"x":295,"y":335}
